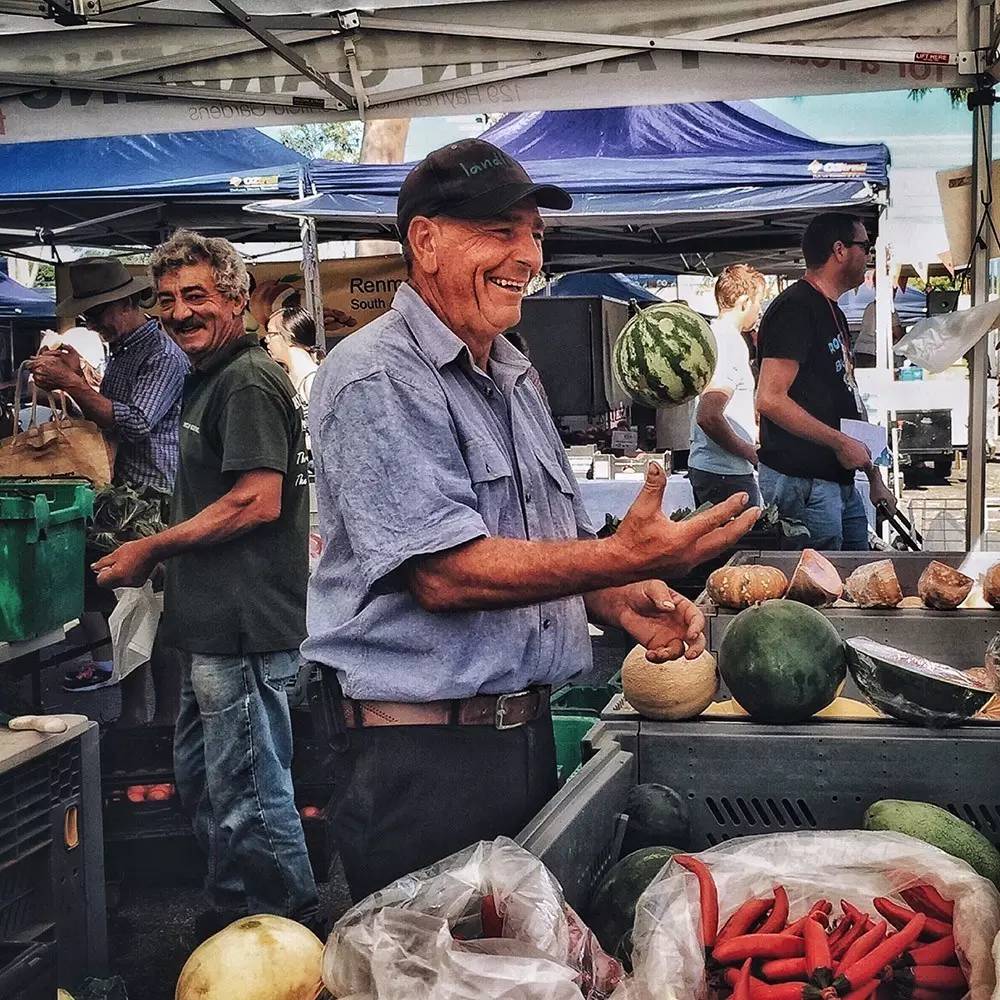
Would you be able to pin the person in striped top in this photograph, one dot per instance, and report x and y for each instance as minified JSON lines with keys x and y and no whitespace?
{"x":139,"y":401}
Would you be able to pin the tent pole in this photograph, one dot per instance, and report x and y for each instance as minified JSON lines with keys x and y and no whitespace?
{"x":310,"y":270}
{"x":978,"y":357}
{"x":883,"y":298}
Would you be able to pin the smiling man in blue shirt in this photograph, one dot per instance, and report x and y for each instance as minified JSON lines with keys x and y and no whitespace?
{"x":459,"y":569}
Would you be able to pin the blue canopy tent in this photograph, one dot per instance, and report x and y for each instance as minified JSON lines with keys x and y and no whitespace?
{"x":609,"y":286}
{"x":18,"y":302}
{"x":677,"y":187}
{"x":131,"y":190}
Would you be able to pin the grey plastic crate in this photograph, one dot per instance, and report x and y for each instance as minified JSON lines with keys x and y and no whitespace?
{"x":958,"y":638}
{"x":52,"y":852}
{"x":742,"y":778}
{"x":578,"y":832}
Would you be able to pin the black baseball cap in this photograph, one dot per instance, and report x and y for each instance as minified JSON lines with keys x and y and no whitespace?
{"x":470,"y":179}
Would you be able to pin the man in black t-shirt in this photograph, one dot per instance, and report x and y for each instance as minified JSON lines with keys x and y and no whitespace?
{"x":234,"y":602}
{"x":807,"y":387}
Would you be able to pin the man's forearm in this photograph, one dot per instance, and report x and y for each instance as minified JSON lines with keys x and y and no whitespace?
{"x":92,"y":404}
{"x":506,"y":572}
{"x":229,"y":517}
{"x":721,"y":432}
{"x":604,"y":606}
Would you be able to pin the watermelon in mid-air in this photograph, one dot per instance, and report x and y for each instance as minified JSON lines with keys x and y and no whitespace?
{"x":665,"y":355}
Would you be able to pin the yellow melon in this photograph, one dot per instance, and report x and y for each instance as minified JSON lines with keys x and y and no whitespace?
{"x":256,"y":958}
{"x":677,"y":689}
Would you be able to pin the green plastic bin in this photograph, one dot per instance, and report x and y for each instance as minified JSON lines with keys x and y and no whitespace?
{"x":585,"y":699}
{"x":569,"y":730}
{"x":42,"y":537}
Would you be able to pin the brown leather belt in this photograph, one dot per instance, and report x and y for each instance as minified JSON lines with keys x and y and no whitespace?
{"x":501,"y":711}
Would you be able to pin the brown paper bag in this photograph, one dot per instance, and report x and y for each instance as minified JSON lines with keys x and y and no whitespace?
{"x":63,"y":446}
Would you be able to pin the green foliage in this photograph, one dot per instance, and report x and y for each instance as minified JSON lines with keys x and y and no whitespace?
{"x":326,"y":140}
{"x":121,"y":515}
{"x":958,"y":95}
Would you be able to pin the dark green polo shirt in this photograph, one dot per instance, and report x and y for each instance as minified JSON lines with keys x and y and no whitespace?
{"x":247,"y":595}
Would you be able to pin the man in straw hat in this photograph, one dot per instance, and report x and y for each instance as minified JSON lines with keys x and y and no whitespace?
{"x":139,"y":402}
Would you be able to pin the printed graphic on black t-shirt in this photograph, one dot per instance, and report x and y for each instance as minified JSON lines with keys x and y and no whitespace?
{"x":803,"y":325}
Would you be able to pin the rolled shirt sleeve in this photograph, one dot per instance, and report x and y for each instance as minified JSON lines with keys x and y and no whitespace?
{"x":152,"y":393}
{"x":392,"y":456}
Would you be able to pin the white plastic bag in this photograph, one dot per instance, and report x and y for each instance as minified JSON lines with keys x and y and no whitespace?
{"x":133,"y":624}
{"x":937,"y":342}
{"x":406,"y":940}
{"x":855,"y":865}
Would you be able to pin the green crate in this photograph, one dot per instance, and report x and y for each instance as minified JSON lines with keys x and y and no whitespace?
{"x":585,"y":699}
{"x":569,"y":730}
{"x":42,"y":536}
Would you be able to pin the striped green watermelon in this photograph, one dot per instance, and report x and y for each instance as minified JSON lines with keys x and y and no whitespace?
{"x":665,"y":355}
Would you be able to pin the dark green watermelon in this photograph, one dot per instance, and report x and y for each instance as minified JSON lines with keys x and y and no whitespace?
{"x":912,"y":688}
{"x":782,"y":661}
{"x":612,"y":907}
{"x":656,"y":815}
{"x":665,"y":355}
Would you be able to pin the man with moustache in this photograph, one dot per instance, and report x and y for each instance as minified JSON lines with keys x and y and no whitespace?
{"x":807,"y":387}
{"x":234,"y":600}
{"x":459,"y":568}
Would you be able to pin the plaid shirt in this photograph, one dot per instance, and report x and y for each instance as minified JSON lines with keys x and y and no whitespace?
{"x":144,"y":379}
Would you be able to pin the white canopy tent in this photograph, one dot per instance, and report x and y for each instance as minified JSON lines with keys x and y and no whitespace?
{"x":71,"y":68}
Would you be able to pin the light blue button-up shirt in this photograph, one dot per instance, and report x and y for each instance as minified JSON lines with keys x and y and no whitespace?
{"x":417,"y":451}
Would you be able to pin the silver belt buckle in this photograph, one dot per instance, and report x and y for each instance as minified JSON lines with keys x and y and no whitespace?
{"x":501,"y":710}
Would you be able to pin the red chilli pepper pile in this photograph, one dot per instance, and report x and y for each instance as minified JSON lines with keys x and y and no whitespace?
{"x":759,"y":955}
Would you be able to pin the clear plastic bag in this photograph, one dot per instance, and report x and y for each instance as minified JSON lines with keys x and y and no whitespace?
{"x":855,"y":865}
{"x":938,"y":342}
{"x":414,"y":939}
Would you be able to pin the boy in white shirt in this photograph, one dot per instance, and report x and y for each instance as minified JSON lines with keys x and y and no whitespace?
{"x":724,"y":428}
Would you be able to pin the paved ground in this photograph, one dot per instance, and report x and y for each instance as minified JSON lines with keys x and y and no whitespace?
{"x":151,"y":932}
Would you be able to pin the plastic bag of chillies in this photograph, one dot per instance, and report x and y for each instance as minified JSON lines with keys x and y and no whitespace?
{"x":758,"y":954}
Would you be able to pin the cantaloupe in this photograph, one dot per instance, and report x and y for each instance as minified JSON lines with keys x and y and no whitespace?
{"x":255,"y":958}
{"x":677,"y":689}
{"x":743,"y":586}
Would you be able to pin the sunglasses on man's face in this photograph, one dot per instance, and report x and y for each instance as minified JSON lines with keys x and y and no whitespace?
{"x":864,"y":244}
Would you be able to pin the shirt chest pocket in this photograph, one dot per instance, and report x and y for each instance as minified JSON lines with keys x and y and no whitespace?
{"x":493,"y":482}
{"x":556,"y":501}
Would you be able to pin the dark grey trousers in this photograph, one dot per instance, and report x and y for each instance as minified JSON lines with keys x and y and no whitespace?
{"x":711,"y":487}
{"x":411,"y":795}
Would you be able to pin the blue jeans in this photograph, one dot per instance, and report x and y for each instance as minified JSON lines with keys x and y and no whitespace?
{"x":232,"y":765}
{"x":833,"y":513}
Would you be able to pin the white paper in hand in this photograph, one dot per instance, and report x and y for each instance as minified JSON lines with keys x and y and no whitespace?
{"x":872,"y":436}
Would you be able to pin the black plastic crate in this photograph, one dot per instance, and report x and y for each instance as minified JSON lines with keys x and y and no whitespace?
{"x":138,"y":750}
{"x":52,"y":910}
{"x":27,"y":970}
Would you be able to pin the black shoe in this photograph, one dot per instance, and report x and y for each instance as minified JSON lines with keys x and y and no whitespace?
{"x":93,"y":675}
{"x":210,"y":922}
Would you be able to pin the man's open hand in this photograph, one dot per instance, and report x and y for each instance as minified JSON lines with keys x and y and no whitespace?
{"x":649,"y":540}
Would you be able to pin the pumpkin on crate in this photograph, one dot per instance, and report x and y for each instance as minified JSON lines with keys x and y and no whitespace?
{"x":943,"y":588}
{"x":743,"y":586}
{"x":875,"y":585}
